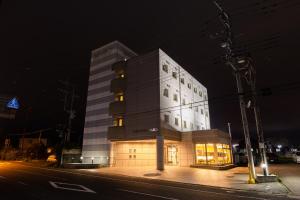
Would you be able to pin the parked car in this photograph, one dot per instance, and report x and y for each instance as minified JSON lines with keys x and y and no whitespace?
{"x":52,"y":158}
{"x":296,"y":157}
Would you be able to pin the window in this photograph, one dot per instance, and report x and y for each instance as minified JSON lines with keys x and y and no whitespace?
{"x":205,"y":97}
{"x":195,"y":90}
{"x":202,"y":111}
{"x":166,"y":118}
{"x":166,"y":92}
{"x":121,"y":98}
{"x":198,"y":128}
{"x":200,"y":93}
{"x":206,"y":114}
{"x":189,"y":85}
{"x":184,"y":124}
{"x":192,"y":126}
{"x":183,"y":101}
{"x":118,"y":122}
{"x":196,"y":109}
{"x":182,"y":80}
{"x":176,"y":121}
{"x":175,"y":97}
{"x":174,"y":74}
{"x":165,"y":68}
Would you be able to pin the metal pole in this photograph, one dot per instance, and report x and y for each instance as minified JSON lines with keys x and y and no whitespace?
{"x":252,"y":174}
{"x":259,"y":130}
{"x":230,"y":142}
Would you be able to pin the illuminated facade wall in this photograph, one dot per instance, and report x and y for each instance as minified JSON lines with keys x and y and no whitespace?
{"x":183,"y":99}
{"x":97,"y":119}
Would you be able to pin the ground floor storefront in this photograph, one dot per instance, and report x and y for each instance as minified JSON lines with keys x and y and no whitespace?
{"x":187,"y":152}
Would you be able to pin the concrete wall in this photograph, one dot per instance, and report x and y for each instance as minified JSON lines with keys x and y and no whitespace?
{"x":134,"y":154}
{"x":186,"y":151}
{"x":191,"y":109}
{"x":97,"y":119}
{"x":142,"y":96}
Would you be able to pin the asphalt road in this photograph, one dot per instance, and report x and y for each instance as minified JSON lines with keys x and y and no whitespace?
{"x":22,"y":182}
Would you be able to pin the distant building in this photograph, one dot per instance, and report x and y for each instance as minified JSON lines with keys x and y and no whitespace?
{"x":147,"y":111}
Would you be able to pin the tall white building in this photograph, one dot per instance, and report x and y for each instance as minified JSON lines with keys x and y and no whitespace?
{"x":147,"y":111}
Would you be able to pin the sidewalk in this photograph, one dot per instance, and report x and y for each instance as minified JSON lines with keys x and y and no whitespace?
{"x":235,"y":178}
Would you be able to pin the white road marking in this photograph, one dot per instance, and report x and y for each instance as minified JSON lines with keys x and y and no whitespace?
{"x":59,"y":185}
{"x":146,"y":194}
{"x":139,"y":182}
{"x":22,"y":183}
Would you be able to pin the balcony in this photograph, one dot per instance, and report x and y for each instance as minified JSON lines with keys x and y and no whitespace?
{"x":119,"y":66}
{"x":118,"y":85}
{"x":116,"y":133}
{"x":117,"y":107}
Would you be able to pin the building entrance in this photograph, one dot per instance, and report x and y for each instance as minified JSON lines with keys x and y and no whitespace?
{"x":172,"y":158}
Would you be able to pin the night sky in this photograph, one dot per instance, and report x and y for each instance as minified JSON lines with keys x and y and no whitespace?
{"x":45,"y":42}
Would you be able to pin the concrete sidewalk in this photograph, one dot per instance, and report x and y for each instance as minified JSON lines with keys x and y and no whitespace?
{"x":235,"y":178}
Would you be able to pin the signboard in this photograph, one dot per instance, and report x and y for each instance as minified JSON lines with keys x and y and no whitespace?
{"x":13,"y":104}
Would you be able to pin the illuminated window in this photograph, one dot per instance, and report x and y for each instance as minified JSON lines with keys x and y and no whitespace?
{"x":165,"y":68}
{"x":121,"y":98}
{"x":120,"y":122}
{"x":174,"y":74}
{"x":182,"y":80}
{"x":189,"y":85}
{"x":184,"y":124}
{"x":175,"y":97}
{"x":166,"y":118}
{"x":213,"y":154}
{"x":176,"y":121}
{"x":166,"y":92}
{"x":122,"y":76}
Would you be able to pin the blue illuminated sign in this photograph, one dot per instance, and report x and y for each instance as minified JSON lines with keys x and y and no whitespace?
{"x":13,"y":103}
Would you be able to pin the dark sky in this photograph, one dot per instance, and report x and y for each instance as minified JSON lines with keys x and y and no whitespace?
{"x":42,"y":42}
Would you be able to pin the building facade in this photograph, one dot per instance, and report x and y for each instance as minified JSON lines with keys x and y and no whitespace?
{"x":147,"y":110}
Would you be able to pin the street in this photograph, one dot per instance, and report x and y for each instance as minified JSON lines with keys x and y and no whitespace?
{"x":29,"y":182}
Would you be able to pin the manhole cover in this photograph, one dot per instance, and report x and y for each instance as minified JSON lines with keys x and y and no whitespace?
{"x":152,"y":174}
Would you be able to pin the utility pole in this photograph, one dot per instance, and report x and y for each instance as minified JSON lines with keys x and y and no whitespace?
{"x":69,"y":95}
{"x":250,"y":77}
{"x":234,"y":62}
{"x":230,"y":143}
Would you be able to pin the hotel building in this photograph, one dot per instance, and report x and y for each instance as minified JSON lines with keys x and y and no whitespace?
{"x":147,"y":110}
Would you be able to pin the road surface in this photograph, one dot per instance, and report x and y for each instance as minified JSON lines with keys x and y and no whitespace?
{"x":21,"y":181}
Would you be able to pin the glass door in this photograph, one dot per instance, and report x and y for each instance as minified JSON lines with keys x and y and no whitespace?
{"x":172,"y":155}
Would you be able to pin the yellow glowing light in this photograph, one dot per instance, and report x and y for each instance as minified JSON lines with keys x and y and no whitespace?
{"x":120,"y":122}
